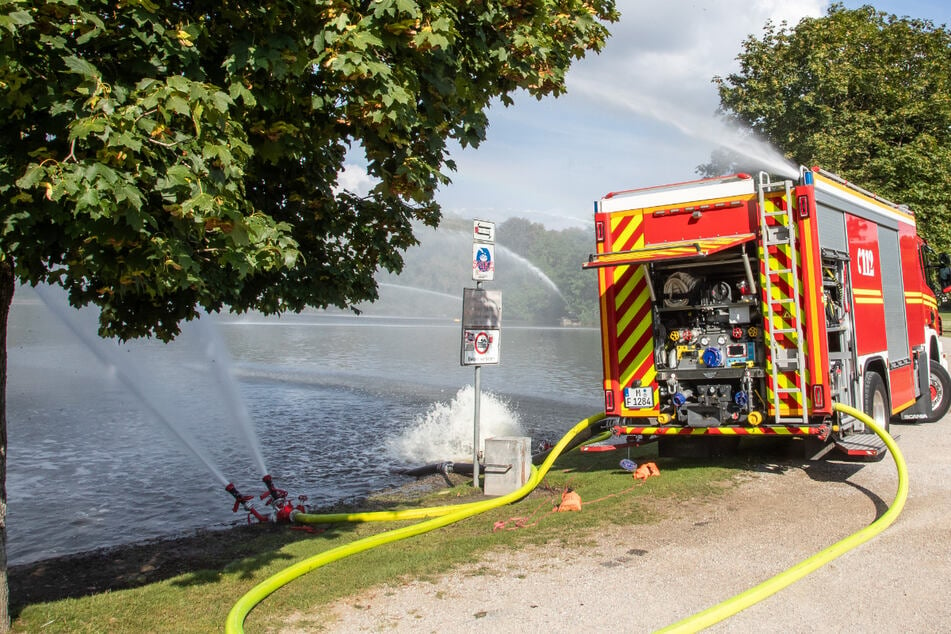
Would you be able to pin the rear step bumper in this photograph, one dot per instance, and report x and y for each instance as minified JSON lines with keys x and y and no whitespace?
{"x":862,"y":445}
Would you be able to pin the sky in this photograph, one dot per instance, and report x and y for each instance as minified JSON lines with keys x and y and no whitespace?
{"x":640,"y":113}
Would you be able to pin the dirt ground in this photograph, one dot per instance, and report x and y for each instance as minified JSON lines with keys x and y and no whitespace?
{"x":703,"y":553}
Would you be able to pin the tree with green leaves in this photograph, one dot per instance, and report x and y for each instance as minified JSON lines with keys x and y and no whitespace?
{"x":861,"y":93}
{"x":162,"y":157}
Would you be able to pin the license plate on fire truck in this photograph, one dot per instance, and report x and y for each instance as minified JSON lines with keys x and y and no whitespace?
{"x":638,"y":397}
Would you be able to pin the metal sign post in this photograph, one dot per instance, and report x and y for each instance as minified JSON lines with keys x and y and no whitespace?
{"x":481,"y":322}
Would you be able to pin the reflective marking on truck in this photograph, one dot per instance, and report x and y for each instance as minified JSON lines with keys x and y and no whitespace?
{"x":634,"y":332}
{"x":763,"y":430}
{"x":816,"y":373}
{"x":868,"y":296}
{"x":628,"y":232}
{"x":912,"y":297}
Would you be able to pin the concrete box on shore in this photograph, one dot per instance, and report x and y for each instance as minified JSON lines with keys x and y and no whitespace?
{"x":508,"y":464}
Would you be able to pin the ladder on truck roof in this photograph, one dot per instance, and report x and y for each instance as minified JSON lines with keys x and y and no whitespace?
{"x":781,"y":292}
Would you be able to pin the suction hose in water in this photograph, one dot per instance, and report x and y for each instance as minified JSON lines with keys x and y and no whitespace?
{"x":754,"y":595}
{"x":447,"y":515}
{"x":582,"y":437}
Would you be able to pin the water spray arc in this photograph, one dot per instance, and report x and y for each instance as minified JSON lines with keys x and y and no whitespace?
{"x":219,"y":359}
{"x":126,"y":375}
{"x":416,"y":289}
{"x":700,"y":126}
{"x":221,"y":363}
{"x":537,"y":272}
{"x":458,"y":237}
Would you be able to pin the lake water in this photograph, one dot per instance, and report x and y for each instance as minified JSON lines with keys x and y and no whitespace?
{"x":137,"y":442}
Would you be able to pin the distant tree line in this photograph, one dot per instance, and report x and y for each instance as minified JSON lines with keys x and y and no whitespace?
{"x":559,"y":255}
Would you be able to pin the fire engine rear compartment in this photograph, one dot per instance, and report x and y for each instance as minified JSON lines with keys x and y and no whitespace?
{"x":709,"y":348}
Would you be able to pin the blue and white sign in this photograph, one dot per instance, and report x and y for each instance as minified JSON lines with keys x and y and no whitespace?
{"x":483,"y":262}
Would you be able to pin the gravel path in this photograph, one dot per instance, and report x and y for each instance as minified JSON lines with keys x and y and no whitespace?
{"x":639,"y":580}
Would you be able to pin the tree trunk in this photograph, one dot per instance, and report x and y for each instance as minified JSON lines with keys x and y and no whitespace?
{"x":6,"y":298}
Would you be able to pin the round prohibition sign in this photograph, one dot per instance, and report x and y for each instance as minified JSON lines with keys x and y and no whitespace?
{"x":482,"y":341}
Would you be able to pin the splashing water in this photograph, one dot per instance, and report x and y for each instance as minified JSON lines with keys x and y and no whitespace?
{"x":107,"y":352}
{"x":220,"y":361}
{"x":444,"y":431}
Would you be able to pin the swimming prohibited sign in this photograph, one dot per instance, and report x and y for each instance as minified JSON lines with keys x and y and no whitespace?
{"x":481,"y":326}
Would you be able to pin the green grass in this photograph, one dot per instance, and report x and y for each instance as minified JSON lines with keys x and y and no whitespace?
{"x":199,"y":601}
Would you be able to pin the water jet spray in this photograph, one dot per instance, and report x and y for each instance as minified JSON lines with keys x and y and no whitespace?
{"x":220,"y":361}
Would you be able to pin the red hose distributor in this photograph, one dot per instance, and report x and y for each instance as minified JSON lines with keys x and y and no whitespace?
{"x":284,"y":511}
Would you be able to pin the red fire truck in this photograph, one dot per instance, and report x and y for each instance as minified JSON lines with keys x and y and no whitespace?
{"x":746,"y":306}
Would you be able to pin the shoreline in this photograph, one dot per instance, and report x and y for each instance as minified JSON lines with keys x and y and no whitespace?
{"x":206,"y":550}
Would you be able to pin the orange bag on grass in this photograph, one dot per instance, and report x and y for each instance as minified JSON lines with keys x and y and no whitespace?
{"x":570,"y":501}
{"x":646,"y":470}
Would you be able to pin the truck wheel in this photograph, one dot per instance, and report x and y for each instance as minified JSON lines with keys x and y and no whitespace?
{"x":940,"y":384}
{"x":875,"y":399}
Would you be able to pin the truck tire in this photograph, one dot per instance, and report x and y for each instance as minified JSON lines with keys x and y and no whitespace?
{"x":940,"y":383}
{"x":875,"y":400}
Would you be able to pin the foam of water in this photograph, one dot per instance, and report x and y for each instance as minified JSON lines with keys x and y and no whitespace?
{"x":444,"y":431}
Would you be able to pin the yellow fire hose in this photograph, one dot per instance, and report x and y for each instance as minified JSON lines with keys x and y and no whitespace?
{"x":446,"y":515}
{"x":240,"y":610}
{"x":754,"y":595}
